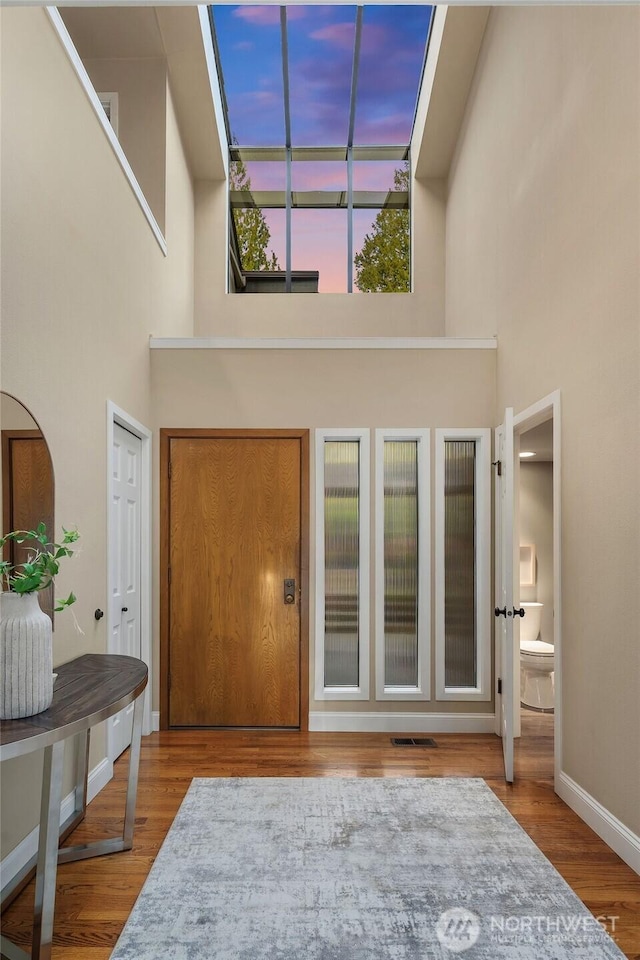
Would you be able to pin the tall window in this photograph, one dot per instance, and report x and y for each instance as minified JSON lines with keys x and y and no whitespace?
{"x":463,"y":513}
{"x":320,"y":104}
{"x":342,"y":575}
{"x":402,"y":565}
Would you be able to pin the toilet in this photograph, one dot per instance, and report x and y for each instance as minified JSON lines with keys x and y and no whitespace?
{"x":536,"y":661}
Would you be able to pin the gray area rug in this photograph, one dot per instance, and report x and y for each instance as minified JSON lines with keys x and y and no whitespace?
{"x":354,"y":869}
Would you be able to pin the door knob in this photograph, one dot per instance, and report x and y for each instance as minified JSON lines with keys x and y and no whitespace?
{"x":289,"y":598}
{"x":500,"y":611}
{"x":518,"y":613}
{"x":125,"y":609}
{"x":289,"y":590}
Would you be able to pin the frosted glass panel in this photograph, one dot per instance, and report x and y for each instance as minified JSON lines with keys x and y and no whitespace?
{"x":341,"y":561}
{"x":401,"y":563}
{"x":460,"y":566}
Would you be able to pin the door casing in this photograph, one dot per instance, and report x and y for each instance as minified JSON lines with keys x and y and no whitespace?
{"x":166,"y":435}
{"x":549,"y":408}
{"x":507,"y":631}
{"x":124,"y":601}
{"x":115,"y":415}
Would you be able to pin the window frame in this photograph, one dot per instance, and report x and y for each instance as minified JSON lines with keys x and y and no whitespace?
{"x":483,"y":689}
{"x":422,"y":691}
{"x":109,"y":103}
{"x":360,"y":692}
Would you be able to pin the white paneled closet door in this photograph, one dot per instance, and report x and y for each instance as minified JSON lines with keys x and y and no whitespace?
{"x":124,"y":535}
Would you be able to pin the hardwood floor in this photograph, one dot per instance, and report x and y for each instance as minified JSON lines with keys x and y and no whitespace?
{"x":94,"y":897}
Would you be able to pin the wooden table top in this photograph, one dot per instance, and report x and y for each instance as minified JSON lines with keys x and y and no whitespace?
{"x":89,"y":689}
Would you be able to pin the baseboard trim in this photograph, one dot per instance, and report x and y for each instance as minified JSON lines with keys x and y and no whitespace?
{"x":343,"y":722}
{"x":155,"y":721}
{"x":13,"y":863}
{"x":614,"y":833}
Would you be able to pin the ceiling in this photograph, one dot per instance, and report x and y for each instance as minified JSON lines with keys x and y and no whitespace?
{"x":119,"y":33}
{"x":120,"y":30}
{"x":540,"y":440}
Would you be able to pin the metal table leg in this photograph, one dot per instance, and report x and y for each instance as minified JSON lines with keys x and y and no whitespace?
{"x":98,"y":848}
{"x":47,"y":851}
{"x":134,"y":767}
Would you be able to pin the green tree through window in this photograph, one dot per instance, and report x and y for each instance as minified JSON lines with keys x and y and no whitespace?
{"x":383,"y":263}
{"x":252,"y":229}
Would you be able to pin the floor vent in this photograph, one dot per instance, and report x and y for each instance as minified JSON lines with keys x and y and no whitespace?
{"x":413,"y":742}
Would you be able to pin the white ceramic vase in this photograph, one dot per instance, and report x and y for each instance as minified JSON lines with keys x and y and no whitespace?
{"x":26,"y":656}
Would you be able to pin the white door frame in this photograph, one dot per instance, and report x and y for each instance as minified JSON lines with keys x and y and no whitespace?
{"x":115,"y":415}
{"x":506,"y":632}
{"x":549,"y":409}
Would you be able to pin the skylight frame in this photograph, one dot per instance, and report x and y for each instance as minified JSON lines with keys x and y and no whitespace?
{"x":374,"y":200}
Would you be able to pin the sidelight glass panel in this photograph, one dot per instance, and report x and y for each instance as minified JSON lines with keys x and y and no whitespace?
{"x":401,"y":563}
{"x":460,"y":564}
{"x":342,"y":562}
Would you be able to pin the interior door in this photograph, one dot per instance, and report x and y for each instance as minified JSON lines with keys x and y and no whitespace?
{"x":27,"y":495}
{"x":125,"y":533}
{"x":234,"y":566}
{"x":504,"y":610}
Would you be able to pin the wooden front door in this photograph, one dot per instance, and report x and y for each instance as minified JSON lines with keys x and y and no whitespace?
{"x":234,"y":534}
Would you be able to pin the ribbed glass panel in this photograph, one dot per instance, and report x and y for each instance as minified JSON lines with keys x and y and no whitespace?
{"x":341,"y":562}
{"x":401,"y":563}
{"x":459,"y":564}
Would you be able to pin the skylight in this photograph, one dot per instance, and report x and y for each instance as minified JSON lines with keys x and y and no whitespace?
{"x":320,"y":104}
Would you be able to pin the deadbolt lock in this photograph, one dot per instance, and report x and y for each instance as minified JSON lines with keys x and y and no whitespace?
{"x":289,"y":591}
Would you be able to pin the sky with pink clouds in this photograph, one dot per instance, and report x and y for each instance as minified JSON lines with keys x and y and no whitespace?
{"x":321,"y":45}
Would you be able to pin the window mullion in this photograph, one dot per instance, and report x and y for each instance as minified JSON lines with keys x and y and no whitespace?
{"x":352,"y":121}
{"x":287,"y":134}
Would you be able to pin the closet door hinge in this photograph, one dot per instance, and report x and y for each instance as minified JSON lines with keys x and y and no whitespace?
{"x":500,"y":685}
{"x":494,"y":463}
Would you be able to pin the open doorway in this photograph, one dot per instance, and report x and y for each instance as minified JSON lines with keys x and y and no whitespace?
{"x":537,"y":522}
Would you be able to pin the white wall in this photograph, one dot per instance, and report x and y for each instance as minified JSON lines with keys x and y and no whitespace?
{"x":84,"y":283}
{"x":543,"y":247}
{"x":420,"y":313}
{"x":141,"y":86}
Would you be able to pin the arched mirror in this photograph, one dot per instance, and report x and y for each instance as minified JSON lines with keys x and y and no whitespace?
{"x":27,"y":482}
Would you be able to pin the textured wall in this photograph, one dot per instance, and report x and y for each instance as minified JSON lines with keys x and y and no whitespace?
{"x":84,"y":282}
{"x":543,"y":246}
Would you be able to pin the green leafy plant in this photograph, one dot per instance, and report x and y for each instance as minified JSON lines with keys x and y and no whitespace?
{"x":42,"y":563}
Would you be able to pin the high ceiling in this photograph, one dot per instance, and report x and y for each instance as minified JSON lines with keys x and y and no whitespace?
{"x":121,"y":30}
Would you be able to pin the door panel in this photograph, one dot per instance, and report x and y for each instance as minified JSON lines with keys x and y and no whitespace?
{"x":504,"y":588}
{"x":27,"y":495}
{"x":125,"y":538}
{"x":234,"y":536}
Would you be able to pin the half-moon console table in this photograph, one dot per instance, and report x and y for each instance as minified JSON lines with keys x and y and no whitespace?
{"x":88,"y":690}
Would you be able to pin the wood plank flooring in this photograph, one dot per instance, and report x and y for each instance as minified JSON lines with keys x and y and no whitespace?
{"x":94,"y":897}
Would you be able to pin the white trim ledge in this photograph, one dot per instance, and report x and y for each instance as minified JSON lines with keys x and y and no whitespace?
{"x":320,"y":343}
{"x":614,"y":833}
{"x":13,"y":863}
{"x":352,"y":722}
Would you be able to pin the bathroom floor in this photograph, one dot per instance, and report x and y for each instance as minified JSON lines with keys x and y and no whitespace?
{"x":537,"y":724}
